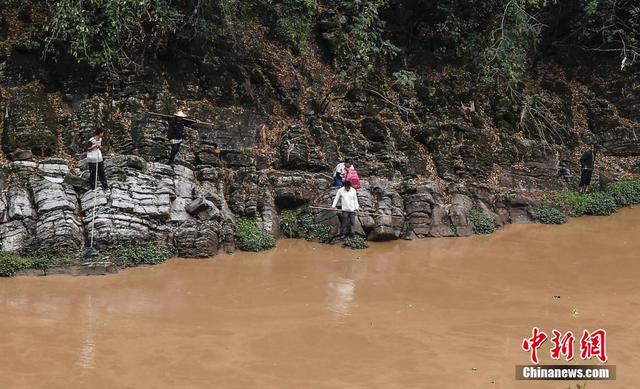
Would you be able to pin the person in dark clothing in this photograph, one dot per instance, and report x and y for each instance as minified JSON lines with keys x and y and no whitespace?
{"x":587,"y":163}
{"x":175,"y":132}
{"x":93,"y":147}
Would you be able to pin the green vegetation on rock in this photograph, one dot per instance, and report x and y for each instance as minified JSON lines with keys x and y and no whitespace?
{"x":600,"y":204}
{"x":363,"y":45}
{"x":625,"y":193}
{"x":595,"y":203}
{"x":148,"y":254}
{"x":550,"y":215}
{"x":303,"y":226}
{"x":294,"y":25}
{"x":575,"y":201}
{"x":481,"y":223}
{"x":251,"y":238}
{"x":617,"y":195}
{"x":11,"y":263}
{"x":356,"y":242}
{"x":311,"y":230}
{"x":289,"y":223}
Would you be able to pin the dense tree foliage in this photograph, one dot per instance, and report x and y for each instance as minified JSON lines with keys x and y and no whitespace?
{"x":499,"y":37}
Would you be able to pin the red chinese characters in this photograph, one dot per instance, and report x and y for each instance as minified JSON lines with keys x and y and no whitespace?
{"x":533,"y":344}
{"x":562,"y":345}
{"x":594,"y":345}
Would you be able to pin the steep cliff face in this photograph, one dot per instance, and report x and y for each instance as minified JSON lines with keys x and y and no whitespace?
{"x":278,"y":131}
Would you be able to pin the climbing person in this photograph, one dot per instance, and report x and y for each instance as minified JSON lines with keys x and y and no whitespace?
{"x":348,"y":199}
{"x":587,"y":163}
{"x":352,"y":177}
{"x":175,"y":132}
{"x":340,"y":172}
{"x":93,"y":147}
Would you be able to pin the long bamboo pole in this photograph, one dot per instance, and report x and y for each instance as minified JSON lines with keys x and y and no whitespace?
{"x":358,"y":212}
{"x":189,"y":119}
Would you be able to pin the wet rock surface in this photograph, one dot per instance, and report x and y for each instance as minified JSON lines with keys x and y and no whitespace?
{"x":48,"y":204}
{"x":262,"y":151}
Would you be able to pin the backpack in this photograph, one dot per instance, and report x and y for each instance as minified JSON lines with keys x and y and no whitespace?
{"x":352,"y":176}
{"x":87,"y":146}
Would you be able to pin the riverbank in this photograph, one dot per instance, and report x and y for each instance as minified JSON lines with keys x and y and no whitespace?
{"x":551,"y":209}
{"x":433,"y":313}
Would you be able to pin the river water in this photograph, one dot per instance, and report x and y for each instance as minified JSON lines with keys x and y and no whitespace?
{"x":435,"y":313}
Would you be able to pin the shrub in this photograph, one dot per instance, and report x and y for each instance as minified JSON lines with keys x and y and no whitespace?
{"x":405,"y":79}
{"x":595,"y":203}
{"x":600,"y":204}
{"x":50,"y":258}
{"x":364,"y":44}
{"x":108,"y":34}
{"x":548,"y":215}
{"x":252,"y":238}
{"x":305,"y":227}
{"x":147,"y":254}
{"x":481,"y":223}
{"x":577,"y":202}
{"x":625,"y":193}
{"x":355,"y":242}
{"x":294,"y":26}
{"x":12,"y":263}
{"x":311,"y":230}
{"x":289,"y":223}
{"x":42,"y":260}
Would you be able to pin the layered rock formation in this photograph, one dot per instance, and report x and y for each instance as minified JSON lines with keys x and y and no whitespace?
{"x":280,"y":123}
{"x":427,"y":177}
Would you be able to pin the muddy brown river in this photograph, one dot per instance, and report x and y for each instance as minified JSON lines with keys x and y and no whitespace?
{"x":436,"y":313}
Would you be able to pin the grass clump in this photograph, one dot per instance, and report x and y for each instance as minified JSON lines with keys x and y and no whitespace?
{"x":625,"y":193}
{"x":44,"y":260}
{"x":481,"y":223}
{"x":305,"y":227}
{"x":600,"y":204}
{"x":577,"y":202}
{"x":148,"y":254}
{"x":289,"y":223}
{"x":595,"y":203}
{"x":251,"y":238}
{"x":549,"y":215}
{"x":311,"y":230}
{"x":355,"y":242}
{"x":10,"y":264}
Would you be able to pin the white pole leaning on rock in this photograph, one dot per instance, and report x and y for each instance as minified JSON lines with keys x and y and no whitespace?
{"x":357,"y":212}
{"x":95,"y":193}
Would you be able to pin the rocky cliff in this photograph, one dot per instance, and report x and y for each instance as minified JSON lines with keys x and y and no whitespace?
{"x":273,"y":146}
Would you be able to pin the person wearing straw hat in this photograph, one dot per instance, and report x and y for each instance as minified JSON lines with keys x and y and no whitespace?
{"x":175,"y":132}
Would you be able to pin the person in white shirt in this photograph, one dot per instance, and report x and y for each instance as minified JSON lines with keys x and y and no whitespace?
{"x":340,"y":172}
{"x":348,"y":199}
{"x":93,"y":147}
